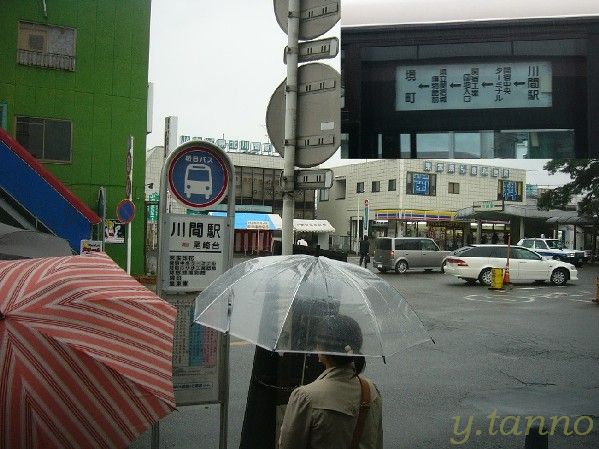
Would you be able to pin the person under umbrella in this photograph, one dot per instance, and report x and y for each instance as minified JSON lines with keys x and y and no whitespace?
{"x":341,"y":409}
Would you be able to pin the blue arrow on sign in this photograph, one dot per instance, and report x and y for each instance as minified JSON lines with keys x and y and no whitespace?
{"x":198,"y":177}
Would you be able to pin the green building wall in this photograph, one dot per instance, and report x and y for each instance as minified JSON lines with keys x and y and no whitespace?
{"x":105,"y":97}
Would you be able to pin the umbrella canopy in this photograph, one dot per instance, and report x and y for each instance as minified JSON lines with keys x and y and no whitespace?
{"x":281,"y":304}
{"x":85,"y":354}
{"x":17,"y":243}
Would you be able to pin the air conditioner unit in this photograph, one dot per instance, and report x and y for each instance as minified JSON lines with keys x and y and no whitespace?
{"x":36,"y":42}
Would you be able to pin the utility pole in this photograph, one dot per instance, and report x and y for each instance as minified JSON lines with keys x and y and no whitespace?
{"x":290,"y":126}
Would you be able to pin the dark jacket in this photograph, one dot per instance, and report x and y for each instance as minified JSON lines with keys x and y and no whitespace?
{"x":364,"y":246}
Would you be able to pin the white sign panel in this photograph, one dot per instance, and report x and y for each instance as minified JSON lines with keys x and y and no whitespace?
{"x":195,"y":356}
{"x":194,"y":253}
{"x":473,"y":86}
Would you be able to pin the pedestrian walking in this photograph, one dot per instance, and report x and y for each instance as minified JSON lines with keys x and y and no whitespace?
{"x":341,"y":409}
{"x":494,"y":238}
{"x":364,"y":251}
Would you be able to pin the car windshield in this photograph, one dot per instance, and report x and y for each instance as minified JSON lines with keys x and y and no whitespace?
{"x":554,"y":244}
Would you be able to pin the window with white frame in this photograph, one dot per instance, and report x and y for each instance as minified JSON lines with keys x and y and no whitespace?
{"x":323,"y":195}
{"x":45,"y":139}
{"x":47,"y":46}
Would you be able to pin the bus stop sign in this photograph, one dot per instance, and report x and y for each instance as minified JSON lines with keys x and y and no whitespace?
{"x":197,"y":176}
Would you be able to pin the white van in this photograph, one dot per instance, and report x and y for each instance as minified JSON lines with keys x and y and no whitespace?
{"x":198,"y":180}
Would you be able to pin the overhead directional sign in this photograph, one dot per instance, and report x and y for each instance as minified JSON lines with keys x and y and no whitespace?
{"x":197,"y":176}
{"x":316,"y":16}
{"x":318,"y":127}
{"x":313,"y":179}
{"x":474,"y":86}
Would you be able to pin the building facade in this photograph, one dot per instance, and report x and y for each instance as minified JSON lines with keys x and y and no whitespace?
{"x":73,"y":88}
{"x":413,"y":197}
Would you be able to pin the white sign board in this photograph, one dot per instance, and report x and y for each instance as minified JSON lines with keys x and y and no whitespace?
{"x":194,"y":252}
{"x":488,"y":206}
{"x":90,"y":247}
{"x":473,"y":86}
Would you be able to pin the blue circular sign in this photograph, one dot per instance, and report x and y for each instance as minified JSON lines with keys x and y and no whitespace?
{"x":125,"y":211}
{"x":198,"y":176}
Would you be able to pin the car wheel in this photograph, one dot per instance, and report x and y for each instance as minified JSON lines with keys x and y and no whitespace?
{"x":485,"y":277}
{"x":559,"y":276}
{"x":382,"y":270}
{"x":443,"y":266}
{"x":401,"y":266}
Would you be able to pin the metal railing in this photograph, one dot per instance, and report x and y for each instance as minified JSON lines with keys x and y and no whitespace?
{"x":49,"y":60}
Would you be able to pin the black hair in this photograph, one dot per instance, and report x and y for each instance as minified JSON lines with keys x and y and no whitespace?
{"x":341,"y":334}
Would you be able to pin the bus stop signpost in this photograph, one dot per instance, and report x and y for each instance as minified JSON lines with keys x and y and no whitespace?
{"x":194,"y":250}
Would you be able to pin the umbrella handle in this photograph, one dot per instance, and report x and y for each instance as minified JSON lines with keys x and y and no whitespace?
{"x":303,"y":370}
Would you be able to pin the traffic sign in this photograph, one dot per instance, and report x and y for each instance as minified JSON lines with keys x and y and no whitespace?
{"x":125,"y":211}
{"x":316,"y":16}
{"x":315,"y":50}
{"x":197,"y":175}
{"x":313,"y":179}
{"x":318,"y":128}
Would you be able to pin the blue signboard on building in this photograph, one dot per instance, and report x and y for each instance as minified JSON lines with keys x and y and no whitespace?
{"x":421,"y":184}
{"x":198,"y":177}
{"x":510,"y":191}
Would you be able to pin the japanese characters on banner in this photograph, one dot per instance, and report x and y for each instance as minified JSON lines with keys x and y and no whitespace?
{"x":474,"y":86}
{"x":194,"y":253}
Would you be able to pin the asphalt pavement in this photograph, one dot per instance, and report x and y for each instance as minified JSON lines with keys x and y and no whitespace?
{"x":502,"y":360}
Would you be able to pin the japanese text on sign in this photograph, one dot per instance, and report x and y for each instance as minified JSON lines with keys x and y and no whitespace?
{"x":194,"y":256}
{"x":474,"y":86}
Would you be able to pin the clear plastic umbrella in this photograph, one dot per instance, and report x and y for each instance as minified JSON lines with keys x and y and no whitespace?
{"x":283,"y":304}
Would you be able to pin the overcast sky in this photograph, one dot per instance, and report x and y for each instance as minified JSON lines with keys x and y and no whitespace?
{"x":215,"y":65}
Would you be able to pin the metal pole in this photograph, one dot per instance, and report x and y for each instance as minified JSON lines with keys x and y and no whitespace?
{"x":225,"y":339}
{"x":290,"y":126}
{"x":130,"y":225}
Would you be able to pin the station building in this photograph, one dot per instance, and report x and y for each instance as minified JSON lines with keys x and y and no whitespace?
{"x":483,"y":80}
{"x":414,"y":197}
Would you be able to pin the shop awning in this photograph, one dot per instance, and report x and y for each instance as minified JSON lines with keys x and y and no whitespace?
{"x":317,"y":226}
{"x":513,"y":210}
{"x":254,"y":221}
{"x":581,"y":221}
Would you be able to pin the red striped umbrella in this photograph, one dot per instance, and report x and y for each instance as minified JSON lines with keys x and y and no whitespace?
{"x":85,"y":354}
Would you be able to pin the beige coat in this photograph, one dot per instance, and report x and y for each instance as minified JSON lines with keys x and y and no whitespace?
{"x":323,"y":414}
